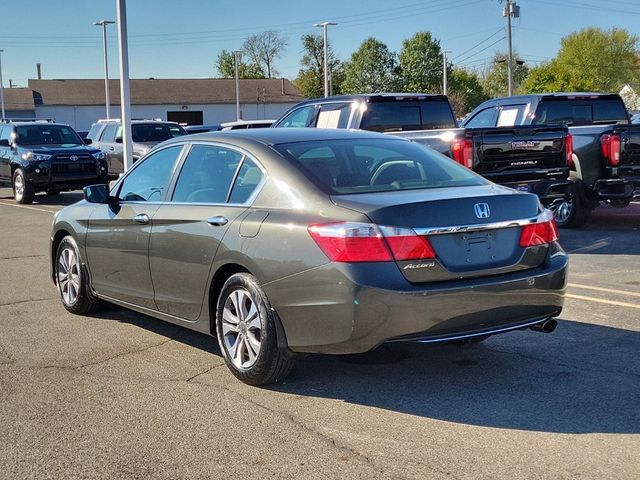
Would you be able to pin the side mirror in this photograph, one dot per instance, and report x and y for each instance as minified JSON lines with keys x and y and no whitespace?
{"x":96,"y":193}
{"x":118,"y":139}
{"x":87,"y":141}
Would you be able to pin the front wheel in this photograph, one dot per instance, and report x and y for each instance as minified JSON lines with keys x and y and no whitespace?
{"x":23,"y":191}
{"x":73,"y":280}
{"x":246,"y":330}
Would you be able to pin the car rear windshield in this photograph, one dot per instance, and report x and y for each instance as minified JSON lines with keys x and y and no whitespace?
{"x":375,"y":165}
{"x":46,"y":135}
{"x":153,"y":132}
{"x":404,"y":115}
{"x":581,"y":111}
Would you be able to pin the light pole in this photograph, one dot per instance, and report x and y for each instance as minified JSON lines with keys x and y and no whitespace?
{"x":1,"y":85}
{"x":510,"y":10}
{"x":324,"y":26}
{"x":237,"y":55}
{"x":125,"y":93}
{"x":103,"y":24}
{"x":444,"y":71}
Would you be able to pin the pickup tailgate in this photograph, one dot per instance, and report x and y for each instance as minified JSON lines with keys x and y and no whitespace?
{"x":524,"y":153}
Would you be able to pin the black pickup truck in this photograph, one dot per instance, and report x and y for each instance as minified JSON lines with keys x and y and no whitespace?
{"x":529,"y":158}
{"x":605,"y":164}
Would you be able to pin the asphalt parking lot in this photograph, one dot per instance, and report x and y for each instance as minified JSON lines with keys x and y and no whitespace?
{"x":122,"y":395}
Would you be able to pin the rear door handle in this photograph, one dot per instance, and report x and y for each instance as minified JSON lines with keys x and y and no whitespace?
{"x":217,"y":221}
{"x":142,"y":218}
{"x":111,"y":148}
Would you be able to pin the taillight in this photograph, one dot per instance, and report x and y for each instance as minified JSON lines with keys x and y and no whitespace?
{"x":462,"y":150}
{"x":610,"y":144}
{"x":539,"y":233}
{"x":569,"y":148}
{"x":362,"y":242}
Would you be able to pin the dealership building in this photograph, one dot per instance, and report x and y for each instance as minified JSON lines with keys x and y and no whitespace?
{"x":80,"y":103}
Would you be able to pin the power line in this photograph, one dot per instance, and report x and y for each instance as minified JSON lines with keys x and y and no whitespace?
{"x":480,"y":51}
{"x":478,"y":44}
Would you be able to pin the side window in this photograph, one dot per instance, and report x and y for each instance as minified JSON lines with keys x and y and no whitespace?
{"x":206,"y":175}
{"x":148,"y":181}
{"x":109,"y":133}
{"x":484,"y":118}
{"x":5,"y":133}
{"x":300,"y":117}
{"x":248,"y":179}
{"x":94,"y":131}
{"x":334,"y":115}
{"x":510,"y":115}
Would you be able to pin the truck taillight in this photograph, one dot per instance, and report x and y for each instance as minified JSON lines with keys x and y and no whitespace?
{"x":462,"y":150}
{"x":569,"y":148}
{"x":610,"y":144}
{"x":364,"y":242}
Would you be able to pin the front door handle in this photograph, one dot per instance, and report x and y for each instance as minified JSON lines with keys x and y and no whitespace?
{"x":217,"y":221}
{"x":111,"y":148}
{"x":142,"y":218}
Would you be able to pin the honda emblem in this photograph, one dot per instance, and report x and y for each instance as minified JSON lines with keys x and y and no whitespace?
{"x":482,"y":210}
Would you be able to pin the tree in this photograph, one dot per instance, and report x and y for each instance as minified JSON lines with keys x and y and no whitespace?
{"x":495,"y":82}
{"x":371,"y":69}
{"x":263,"y":49}
{"x":226,"y":67}
{"x":589,"y":60}
{"x":465,"y":91}
{"x":310,"y":78}
{"x":421,"y":64}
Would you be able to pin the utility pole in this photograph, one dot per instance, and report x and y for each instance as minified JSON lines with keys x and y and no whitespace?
{"x":236,"y":65}
{"x":444,"y":71}
{"x":1,"y":85}
{"x":510,"y":10}
{"x":103,"y":24}
{"x":324,"y":26}
{"x":125,"y":93}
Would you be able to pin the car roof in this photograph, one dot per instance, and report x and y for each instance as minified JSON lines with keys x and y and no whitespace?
{"x":276,"y":136}
{"x":46,"y":124}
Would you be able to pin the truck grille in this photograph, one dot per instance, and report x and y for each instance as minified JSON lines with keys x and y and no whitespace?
{"x":83,"y":164}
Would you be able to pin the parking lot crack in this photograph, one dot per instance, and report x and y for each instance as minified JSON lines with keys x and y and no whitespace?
{"x":323,"y":436}
{"x":122,"y":354}
{"x":204,"y":372}
{"x":16,"y":257}
{"x":18,"y":302}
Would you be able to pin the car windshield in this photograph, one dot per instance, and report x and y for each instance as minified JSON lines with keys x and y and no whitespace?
{"x":46,"y":135}
{"x":154,"y":132}
{"x":375,"y":165}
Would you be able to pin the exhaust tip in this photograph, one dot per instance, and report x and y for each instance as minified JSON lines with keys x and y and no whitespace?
{"x":547,"y":326}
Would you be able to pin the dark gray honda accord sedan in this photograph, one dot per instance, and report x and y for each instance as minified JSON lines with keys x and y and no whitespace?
{"x":283,"y":241}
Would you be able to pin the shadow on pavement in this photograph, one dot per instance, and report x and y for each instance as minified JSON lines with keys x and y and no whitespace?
{"x":62,"y":199}
{"x":610,"y":231}
{"x":583,"y":378}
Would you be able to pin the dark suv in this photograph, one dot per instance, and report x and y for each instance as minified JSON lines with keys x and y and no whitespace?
{"x":107,"y":136}
{"x":42,"y":156}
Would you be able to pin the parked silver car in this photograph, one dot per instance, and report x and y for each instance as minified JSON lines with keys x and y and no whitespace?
{"x":283,"y":241}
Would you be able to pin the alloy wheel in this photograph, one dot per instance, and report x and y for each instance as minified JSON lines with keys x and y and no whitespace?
{"x":69,"y":276}
{"x":18,"y":186}
{"x":241,"y":328}
{"x":562,"y":210}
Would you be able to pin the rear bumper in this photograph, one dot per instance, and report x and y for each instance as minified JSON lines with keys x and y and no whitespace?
{"x":546,"y":190}
{"x":342,"y":308}
{"x":617,"y":188}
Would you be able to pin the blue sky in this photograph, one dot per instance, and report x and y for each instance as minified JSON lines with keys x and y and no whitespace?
{"x":181,"y":38}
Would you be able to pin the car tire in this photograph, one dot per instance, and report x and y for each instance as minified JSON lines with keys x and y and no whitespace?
{"x":246,"y":331}
{"x":23,"y":191}
{"x":72,"y":279}
{"x":573,"y":211}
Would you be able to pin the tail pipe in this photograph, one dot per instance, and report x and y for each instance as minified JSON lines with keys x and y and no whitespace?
{"x":547,"y":326}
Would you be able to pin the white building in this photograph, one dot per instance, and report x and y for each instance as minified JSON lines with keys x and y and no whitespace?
{"x":80,"y":103}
